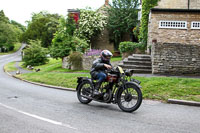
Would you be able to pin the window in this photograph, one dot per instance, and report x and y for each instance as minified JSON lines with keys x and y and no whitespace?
{"x":173,"y":24}
{"x":195,"y":25}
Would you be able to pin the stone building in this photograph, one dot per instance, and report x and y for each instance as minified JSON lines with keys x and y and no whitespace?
{"x":102,"y":41}
{"x":174,"y":34}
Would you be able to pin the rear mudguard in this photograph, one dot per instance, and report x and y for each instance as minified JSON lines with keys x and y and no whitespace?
{"x":133,"y":83}
{"x":81,"y":79}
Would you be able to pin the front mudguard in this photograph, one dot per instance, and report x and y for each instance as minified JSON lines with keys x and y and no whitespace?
{"x":81,"y":79}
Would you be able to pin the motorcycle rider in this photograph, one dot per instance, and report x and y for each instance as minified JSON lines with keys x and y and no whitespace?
{"x":98,"y":69}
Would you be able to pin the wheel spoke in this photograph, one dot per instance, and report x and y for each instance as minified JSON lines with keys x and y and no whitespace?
{"x":133,"y":101}
{"x":130,"y":98}
{"x":84,"y":93}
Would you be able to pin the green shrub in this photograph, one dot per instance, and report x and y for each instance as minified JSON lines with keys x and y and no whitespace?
{"x":61,"y":46}
{"x":75,"y":59}
{"x":35,"y":54}
{"x":129,"y":46}
{"x":9,"y":47}
{"x":80,"y":44}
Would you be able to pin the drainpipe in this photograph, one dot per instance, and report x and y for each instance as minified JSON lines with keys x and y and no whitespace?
{"x":188,"y":4}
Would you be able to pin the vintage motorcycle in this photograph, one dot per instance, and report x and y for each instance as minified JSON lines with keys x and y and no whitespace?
{"x":119,"y":88}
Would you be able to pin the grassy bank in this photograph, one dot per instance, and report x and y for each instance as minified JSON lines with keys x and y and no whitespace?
{"x":10,"y":67}
{"x":163,"y":88}
{"x":16,"y":48}
{"x":160,"y":88}
{"x":58,"y":79}
{"x":54,"y":66}
{"x":116,"y":59}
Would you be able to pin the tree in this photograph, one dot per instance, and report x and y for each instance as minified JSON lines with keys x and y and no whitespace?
{"x":10,"y":32}
{"x":18,"y":25}
{"x":42,"y":27}
{"x":7,"y":33}
{"x":64,"y":40}
{"x":7,"y":36}
{"x":90,"y":24}
{"x":122,"y":19}
{"x":35,"y":54}
{"x":146,"y":7}
{"x":3,"y":18}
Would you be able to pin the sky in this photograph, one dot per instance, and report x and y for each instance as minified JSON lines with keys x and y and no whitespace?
{"x":21,"y":10}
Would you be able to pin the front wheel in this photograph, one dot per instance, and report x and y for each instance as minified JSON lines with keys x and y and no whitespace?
{"x":130,"y":98}
{"x":84,"y":92}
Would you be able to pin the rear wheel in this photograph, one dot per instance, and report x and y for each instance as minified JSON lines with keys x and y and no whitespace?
{"x":130,"y":98}
{"x":84,"y":92}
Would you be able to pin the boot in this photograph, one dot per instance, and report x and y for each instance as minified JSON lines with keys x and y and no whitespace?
{"x":96,"y":89}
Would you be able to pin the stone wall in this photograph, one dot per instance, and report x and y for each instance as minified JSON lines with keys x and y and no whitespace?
{"x":174,"y":58}
{"x":102,"y":41}
{"x":173,"y":4}
{"x":183,"y":36}
{"x":86,"y":63}
{"x":179,"y":4}
{"x":194,"y":4}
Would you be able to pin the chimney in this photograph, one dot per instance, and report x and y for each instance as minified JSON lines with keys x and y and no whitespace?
{"x":106,"y":2}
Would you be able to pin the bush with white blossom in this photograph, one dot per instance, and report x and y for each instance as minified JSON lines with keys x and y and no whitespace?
{"x":91,"y":23}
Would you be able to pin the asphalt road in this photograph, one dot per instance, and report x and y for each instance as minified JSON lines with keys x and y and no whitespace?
{"x":28,"y":108}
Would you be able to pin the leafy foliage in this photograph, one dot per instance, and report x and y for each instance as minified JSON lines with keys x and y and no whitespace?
{"x":122,"y":19}
{"x":90,"y":24}
{"x":64,"y":42}
{"x":129,"y":46}
{"x":9,"y":33}
{"x":80,"y":44}
{"x":35,"y":54}
{"x":7,"y":37}
{"x":18,"y":25}
{"x":3,"y":18}
{"x":146,"y":7}
{"x":61,"y":46}
{"x":42,"y":27}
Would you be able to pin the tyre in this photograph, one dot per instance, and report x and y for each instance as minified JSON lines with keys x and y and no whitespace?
{"x":130,"y":98}
{"x":84,"y":92}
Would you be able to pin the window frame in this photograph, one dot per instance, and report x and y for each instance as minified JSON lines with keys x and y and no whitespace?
{"x":192,"y":25}
{"x":172,"y":24}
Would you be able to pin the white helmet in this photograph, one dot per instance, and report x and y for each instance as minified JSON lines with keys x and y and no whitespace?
{"x":106,"y":55}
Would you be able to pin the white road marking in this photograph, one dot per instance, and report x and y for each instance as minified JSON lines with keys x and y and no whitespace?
{"x":38,"y":117}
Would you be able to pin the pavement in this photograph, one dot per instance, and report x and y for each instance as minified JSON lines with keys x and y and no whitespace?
{"x":172,"y":101}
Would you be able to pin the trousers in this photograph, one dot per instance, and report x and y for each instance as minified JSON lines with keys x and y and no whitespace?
{"x":101,"y":76}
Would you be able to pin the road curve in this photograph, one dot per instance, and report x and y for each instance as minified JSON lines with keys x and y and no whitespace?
{"x":28,"y":108}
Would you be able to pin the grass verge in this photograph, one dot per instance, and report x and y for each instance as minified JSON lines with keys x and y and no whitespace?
{"x":160,"y":88}
{"x":67,"y":80}
{"x":54,"y":66}
{"x":163,"y":88}
{"x":113,"y":59}
{"x":10,"y":67}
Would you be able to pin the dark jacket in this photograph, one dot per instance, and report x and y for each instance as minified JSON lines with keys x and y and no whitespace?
{"x":98,"y":66}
